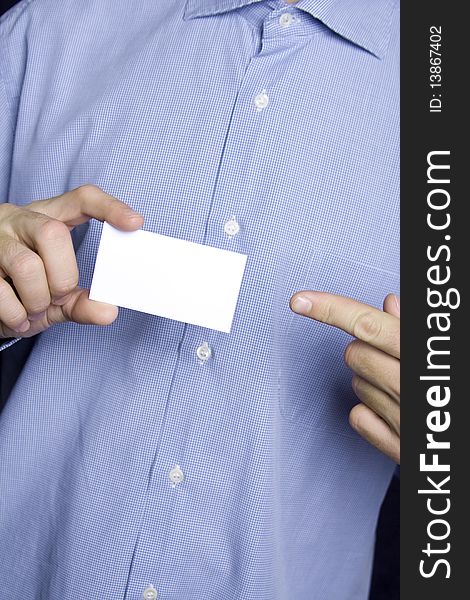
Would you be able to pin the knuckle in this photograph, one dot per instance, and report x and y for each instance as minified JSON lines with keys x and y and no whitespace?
{"x":87,"y":191}
{"x":357,"y":384}
{"x":65,"y":286}
{"x":37,"y":307}
{"x":325,"y":312}
{"x":25,"y":264}
{"x":9,"y":247}
{"x":51,"y":230}
{"x":351,"y":354}
{"x":6,"y":210}
{"x":366,"y":326}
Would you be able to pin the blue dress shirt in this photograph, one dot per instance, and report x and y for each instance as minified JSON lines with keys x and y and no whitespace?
{"x":130,"y":467}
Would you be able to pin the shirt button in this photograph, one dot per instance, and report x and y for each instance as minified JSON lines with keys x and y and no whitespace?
{"x":204,"y":352}
{"x":176,"y":475}
{"x":261,"y":100}
{"x":232,"y":227}
{"x":150,"y":593}
{"x":286,"y":19}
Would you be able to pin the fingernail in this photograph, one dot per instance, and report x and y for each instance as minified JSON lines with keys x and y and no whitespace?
{"x":301,"y":305}
{"x":23,"y":328}
{"x":133,"y":214}
{"x":37,"y":316}
{"x":397,"y":303}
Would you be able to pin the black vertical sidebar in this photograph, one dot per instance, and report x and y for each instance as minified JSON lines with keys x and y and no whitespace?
{"x":435,"y":466}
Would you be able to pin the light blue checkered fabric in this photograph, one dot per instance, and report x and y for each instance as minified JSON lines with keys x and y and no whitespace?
{"x":153,"y":101}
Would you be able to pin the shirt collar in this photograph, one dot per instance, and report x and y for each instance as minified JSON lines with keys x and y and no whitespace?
{"x":366,"y":23}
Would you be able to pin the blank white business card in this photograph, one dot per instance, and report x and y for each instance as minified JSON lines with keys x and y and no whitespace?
{"x":168,"y":277}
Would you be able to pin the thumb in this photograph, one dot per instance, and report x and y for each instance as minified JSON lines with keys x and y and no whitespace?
{"x":80,"y":309}
{"x":392,"y":305}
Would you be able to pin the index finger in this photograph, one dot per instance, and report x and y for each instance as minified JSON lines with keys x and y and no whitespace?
{"x":373,"y":326}
{"x":89,"y":201}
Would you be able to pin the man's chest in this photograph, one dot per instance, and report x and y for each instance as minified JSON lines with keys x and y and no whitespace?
{"x":197,"y":125}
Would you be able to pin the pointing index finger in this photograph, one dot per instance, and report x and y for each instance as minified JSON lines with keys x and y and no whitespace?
{"x":362,"y":321}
